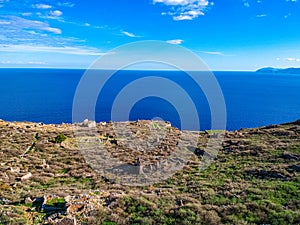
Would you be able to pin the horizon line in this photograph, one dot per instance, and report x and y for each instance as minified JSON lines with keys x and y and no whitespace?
{"x":133,"y":69}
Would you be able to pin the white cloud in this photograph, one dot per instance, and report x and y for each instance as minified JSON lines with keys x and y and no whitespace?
{"x":287,"y":16}
{"x":27,"y":14}
{"x":24,"y":35}
{"x":51,"y":49}
{"x":56,"y":13}
{"x":32,"y":32}
{"x":5,"y":22}
{"x":293,"y":59}
{"x":128,"y":34}
{"x":9,"y":62}
{"x":247,"y":4}
{"x":182,"y":2}
{"x":261,"y":15}
{"x":175,"y":41}
{"x":172,"y":2}
{"x":66,"y":4}
{"x":42,"y":6}
{"x":183,"y":17}
{"x":185,"y":9}
{"x":53,"y":30}
{"x":212,"y":53}
{"x":17,"y":24}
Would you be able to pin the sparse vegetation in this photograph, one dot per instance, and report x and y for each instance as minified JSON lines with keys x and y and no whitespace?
{"x":254,"y":180}
{"x":60,"y":138}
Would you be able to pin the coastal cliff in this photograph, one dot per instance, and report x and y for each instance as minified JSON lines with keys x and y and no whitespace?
{"x":45,"y":179}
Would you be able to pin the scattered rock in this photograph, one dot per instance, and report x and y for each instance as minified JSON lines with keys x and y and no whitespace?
{"x":4,"y":201}
{"x":75,"y":208}
{"x":89,"y":123}
{"x":28,"y":200}
{"x":68,"y":198}
{"x":85,"y":122}
{"x":64,"y":221}
{"x":45,"y":165}
{"x":69,"y":169}
{"x":26,"y":177}
{"x":17,"y":170}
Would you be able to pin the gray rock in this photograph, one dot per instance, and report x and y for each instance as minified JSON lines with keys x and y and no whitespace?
{"x":88,"y":123}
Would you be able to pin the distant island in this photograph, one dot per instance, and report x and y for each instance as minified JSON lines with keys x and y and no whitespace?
{"x":279,"y":71}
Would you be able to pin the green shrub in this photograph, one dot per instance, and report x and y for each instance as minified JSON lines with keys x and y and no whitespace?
{"x":57,"y":202}
{"x":60,"y":138}
{"x":109,"y":223}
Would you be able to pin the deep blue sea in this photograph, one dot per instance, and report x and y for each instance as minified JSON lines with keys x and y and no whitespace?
{"x":251,"y":99}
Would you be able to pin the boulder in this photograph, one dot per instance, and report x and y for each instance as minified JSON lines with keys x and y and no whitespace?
{"x":89,"y":123}
{"x":26,"y":177}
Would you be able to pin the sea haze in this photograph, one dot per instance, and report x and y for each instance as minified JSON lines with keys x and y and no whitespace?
{"x":252,"y":99}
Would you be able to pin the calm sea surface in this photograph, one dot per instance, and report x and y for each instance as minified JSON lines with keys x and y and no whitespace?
{"x":252,"y":99}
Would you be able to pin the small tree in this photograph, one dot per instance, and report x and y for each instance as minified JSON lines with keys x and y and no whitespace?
{"x":60,"y":138}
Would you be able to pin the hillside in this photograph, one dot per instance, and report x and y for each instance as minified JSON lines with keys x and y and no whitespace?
{"x":44,"y":178}
{"x":279,"y":71}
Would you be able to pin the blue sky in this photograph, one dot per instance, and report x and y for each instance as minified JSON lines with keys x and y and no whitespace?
{"x":226,"y":34}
